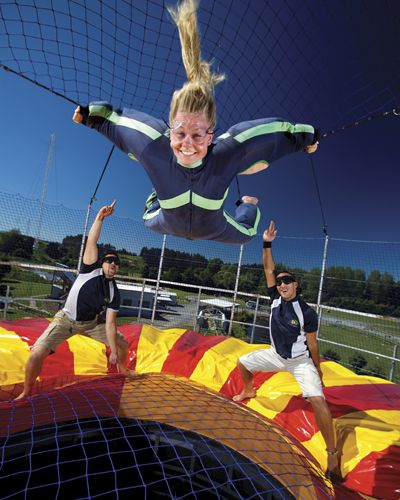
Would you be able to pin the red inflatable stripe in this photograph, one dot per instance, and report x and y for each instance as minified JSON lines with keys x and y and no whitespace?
{"x":187,"y":352}
{"x":378,"y":474}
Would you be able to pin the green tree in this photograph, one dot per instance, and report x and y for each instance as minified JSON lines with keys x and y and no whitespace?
{"x":249,"y":280}
{"x":14,"y":244}
{"x":55,"y":250}
{"x":331,"y":355}
{"x":214,"y":265}
{"x":131,"y":264}
{"x":377,"y":371}
{"x":225,"y":278}
{"x":71,"y":248}
{"x":358,"y":362}
{"x":188,"y":276}
{"x":310,"y":284}
{"x":172,"y":274}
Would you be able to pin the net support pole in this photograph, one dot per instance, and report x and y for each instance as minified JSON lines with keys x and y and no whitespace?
{"x":253,"y":326}
{"x":141,"y":300}
{"x":7,"y":299}
{"x":84,"y":234}
{"x":197,"y":309}
{"x":393,"y":363}
{"x":153,"y":314}
{"x":92,"y":199}
{"x":321,"y":280}
{"x":236,"y":289}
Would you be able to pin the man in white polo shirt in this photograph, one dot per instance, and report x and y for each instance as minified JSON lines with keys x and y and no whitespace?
{"x":294,"y":348}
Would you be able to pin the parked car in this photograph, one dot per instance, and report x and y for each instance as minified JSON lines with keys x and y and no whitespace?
{"x":251,"y":304}
{"x":212,"y":318}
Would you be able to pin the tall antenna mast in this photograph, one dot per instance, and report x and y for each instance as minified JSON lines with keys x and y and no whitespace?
{"x":49,"y":161}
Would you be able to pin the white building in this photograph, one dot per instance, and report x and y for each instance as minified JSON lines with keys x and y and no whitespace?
{"x":135,"y":297}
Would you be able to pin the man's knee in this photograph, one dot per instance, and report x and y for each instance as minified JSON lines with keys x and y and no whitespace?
{"x":38,"y":354}
{"x":242,"y":368}
{"x":122,"y":343}
{"x":240,"y":365}
{"x":318,"y":403}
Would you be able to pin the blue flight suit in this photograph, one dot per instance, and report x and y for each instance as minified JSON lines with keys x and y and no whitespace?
{"x":190,"y":199}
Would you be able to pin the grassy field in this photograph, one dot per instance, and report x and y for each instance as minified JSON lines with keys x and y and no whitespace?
{"x":386,"y":326}
{"x":379,"y":336}
{"x":353,"y":337}
{"x":28,"y":289}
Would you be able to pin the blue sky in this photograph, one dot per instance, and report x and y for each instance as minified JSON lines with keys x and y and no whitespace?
{"x":357,"y":169}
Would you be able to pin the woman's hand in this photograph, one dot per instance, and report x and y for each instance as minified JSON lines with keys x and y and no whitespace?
{"x":77,"y":117}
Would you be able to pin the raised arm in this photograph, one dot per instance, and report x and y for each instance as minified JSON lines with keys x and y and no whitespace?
{"x":256,"y":144}
{"x":130,"y":130}
{"x":91,"y":253}
{"x":268,"y":261}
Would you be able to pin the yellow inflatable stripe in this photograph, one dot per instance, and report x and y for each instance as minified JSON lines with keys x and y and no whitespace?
{"x":376,"y":434}
{"x":89,"y":355}
{"x":261,"y":404}
{"x":154,"y":346}
{"x":14,"y":354}
{"x":337,"y":375}
{"x":218,"y":362}
{"x":360,"y":433}
{"x":316,"y":446}
{"x":274,"y":394}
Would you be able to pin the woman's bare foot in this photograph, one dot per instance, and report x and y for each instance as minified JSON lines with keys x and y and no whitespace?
{"x":311,"y":148}
{"x":244,"y":395}
{"x":250,"y":199}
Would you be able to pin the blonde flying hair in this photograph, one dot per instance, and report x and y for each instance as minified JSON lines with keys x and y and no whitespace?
{"x":197,"y":94}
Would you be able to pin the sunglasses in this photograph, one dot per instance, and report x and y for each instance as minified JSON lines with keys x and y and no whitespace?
{"x":111,"y":259}
{"x":284,"y":279}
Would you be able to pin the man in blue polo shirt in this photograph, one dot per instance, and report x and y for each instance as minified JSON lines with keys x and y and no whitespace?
{"x":294,"y":348}
{"x":91,"y":309}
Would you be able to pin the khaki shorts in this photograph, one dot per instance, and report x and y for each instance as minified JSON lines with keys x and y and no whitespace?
{"x":62,"y":328}
{"x":302,"y":369}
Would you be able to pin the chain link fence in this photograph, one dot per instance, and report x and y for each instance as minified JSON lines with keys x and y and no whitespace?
{"x":209,"y":287}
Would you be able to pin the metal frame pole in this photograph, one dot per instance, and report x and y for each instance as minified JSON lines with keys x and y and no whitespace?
{"x":393,"y":363}
{"x":253,"y":326}
{"x":236,"y":289}
{"x":153,"y":314}
{"x":92,"y":199}
{"x":141,"y":300}
{"x":321,"y":281}
{"x":197,"y":308}
{"x":7,"y":297}
{"x":84,"y":235}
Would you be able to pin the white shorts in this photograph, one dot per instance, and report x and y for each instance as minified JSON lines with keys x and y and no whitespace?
{"x":302,"y":369}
